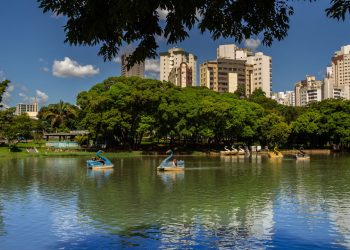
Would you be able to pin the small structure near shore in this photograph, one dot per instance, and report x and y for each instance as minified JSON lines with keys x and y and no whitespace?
{"x":64,"y":136}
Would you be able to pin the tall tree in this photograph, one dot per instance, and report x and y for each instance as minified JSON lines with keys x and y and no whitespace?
{"x":59,"y":115}
{"x":114,"y":23}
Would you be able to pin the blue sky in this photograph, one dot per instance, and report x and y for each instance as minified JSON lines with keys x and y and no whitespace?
{"x":31,"y":42}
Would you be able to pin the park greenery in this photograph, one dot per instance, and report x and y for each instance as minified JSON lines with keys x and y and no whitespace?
{"x":112,"y":24}
{"x":130,"y":112}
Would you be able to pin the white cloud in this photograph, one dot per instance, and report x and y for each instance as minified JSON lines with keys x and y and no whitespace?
{"x":41,"y":96}
{"x":23,"y":96}
{"x":71,"y":68}
{"x":162,"y":13}
{"x":56,"y":16}
{"x":7,"y":94}
{"x":152,"y":65}
{"x":117,"y":60}
{"x":152,"y":75}
{"x":10,"y":88}
{"x":45,"y":69}
{"x":252,"y":43}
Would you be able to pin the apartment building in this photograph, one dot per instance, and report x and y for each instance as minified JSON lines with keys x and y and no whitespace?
{"x":137,"y":70}
{"x":173,"y":58}
{"x":308,"y":91}
{"x":340,"y":73}
{"x":258,"y":72}
{"x":181,"y":76}
{"x":30,"y":109}
{"x":223,"y":75}
{"x":285,"y":98}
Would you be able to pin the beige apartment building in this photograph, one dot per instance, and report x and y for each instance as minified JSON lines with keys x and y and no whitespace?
{"x":137,"y":70}
{"x":181,"y":76}
{"x":173,"y":58}
{"x":340,"y":78}
{"x":262,"y":73}
{"x":308,"y":91}
{"x":30,"y":109}
{"x":223,"y":75}
{"x":257,"y":70}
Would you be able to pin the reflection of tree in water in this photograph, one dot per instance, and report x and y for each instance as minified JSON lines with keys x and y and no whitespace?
{"x":100,"y":176}
{"x":170,"y":178}
{"x":337,"y":198}
{"x":2,"y":224}
{"x":183,"y":208}
{"x":320,"y":193}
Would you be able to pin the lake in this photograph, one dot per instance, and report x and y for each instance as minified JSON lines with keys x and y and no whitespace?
{"x":216,"y":203}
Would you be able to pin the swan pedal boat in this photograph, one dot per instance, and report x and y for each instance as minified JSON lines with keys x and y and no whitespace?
{"x":274,"y":155}
{"x":92,"y":164}
{"x":302,"y":157}
{"x":170,"y":168}
{"x":167,"y":164}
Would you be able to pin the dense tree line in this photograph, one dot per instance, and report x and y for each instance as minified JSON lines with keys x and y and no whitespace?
{"x":123,"y":111}
{"x":126,"y":112}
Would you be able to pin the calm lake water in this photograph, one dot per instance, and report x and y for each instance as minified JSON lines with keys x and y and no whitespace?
{"x":216,"y":203}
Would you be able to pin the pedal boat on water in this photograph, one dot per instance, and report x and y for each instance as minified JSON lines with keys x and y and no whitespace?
{"x":101,"y":162}
{"x":171,"y":165}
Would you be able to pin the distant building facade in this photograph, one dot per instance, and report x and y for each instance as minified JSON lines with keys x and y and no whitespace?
{"x":181,"y":76}
{"x":330,"y":90}
{"x":30,"y":109}
{"x":340,"y":77}
{"x":137,"y":70}
{"x":223,"y":75}
{"x":252,"y":71}
{"x":285,"y":98}
{"x":173,"y":59}
{"x":308,"y":91}
{"x":262,"y":78}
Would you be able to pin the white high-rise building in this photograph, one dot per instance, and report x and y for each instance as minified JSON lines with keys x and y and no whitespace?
{"x":173,"y":59}
{"x":262,"y":73}
{"x":330,"y":90}
{"x":341,"y":71}
{"x":262,"y":66}
{"x":30,"y":109}
{"x":285,"y":98}
{"x":308,"y":91}
{"x":231,"y":51}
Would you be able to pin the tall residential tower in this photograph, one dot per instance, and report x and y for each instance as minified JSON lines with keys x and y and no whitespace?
{"x":172,"y":67}
{"x":237,"y":69}
{"x":137,"y":70}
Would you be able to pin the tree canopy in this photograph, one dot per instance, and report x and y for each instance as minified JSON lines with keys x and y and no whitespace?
{"x":111,"y":24}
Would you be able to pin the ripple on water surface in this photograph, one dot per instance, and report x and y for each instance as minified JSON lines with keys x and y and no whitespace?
{"x":217,"y":203}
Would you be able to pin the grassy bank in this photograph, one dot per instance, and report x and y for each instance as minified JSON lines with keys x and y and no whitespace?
{"x":21,"y":152}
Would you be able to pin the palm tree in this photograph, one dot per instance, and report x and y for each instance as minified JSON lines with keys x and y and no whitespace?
{"x":59,"y":114}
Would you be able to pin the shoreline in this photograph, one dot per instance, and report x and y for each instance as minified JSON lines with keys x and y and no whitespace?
{"x":43,"y":152}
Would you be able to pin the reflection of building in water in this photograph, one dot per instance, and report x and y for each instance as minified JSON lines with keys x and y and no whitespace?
{"x":241,"y":227}
{"x":101,"y":176}
{"x":234,"y":158}
{"x":340,"y":216}
{"x":2,"y":225}
{"x":169,"y":178}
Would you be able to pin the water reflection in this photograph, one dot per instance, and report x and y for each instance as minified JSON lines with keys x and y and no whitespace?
{"x":170,"y":177}
{"x":219,"y":202}
{"x":100,"y":176}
